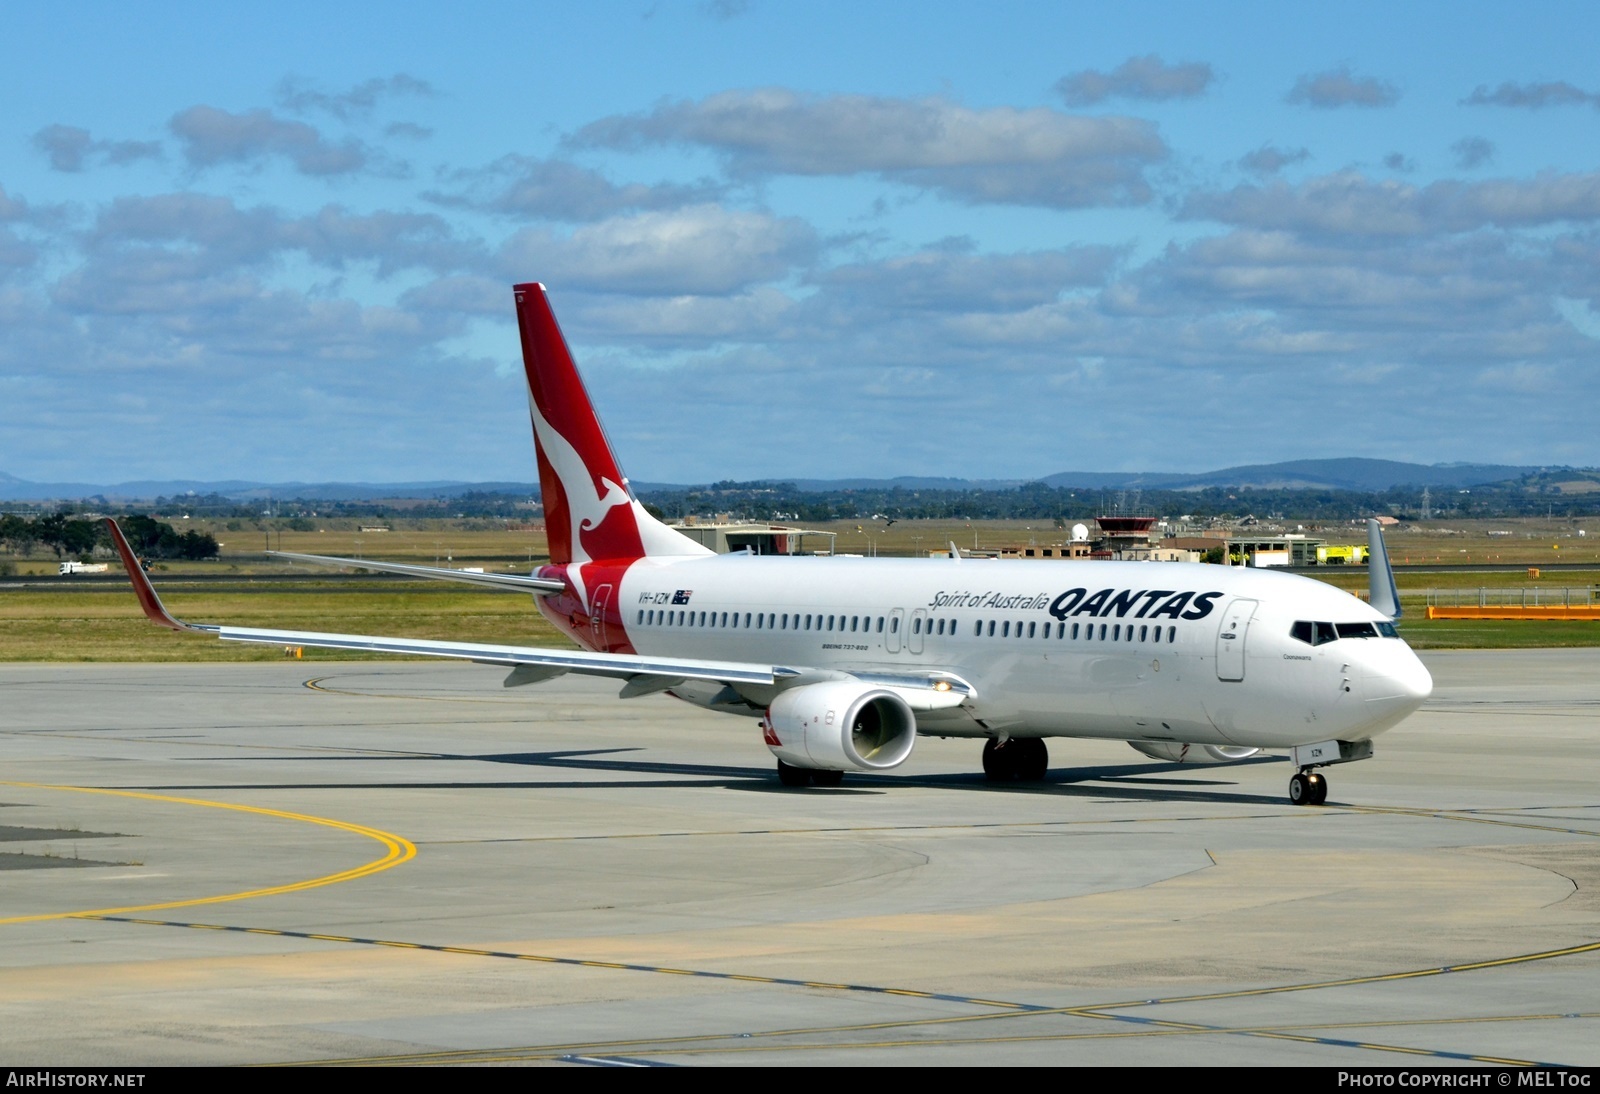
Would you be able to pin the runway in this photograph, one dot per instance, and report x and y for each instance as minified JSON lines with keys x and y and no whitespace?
{"x":403,"y":863}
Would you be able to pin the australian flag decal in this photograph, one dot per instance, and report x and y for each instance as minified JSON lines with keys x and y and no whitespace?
{"x":682,"y":596}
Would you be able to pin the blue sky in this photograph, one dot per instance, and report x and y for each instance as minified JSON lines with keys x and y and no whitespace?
{"x":820,"y":240}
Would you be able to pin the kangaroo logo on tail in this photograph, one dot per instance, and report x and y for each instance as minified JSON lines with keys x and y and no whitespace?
{"x":590,"y":515}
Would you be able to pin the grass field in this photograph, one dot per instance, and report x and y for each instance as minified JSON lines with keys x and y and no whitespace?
{"x":74,"y":625}
{"x":105,"y":624}
{"x":73,"y":622}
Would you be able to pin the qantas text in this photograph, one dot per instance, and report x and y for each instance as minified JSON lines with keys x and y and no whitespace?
{"x":1104,"y":603}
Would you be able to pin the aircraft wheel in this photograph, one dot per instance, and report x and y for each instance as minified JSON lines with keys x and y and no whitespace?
{"x":1034,"y":759}
{"x":789,"y":775}
{"x":1319,"y":789}
{"x":997,"y":761}
{"x":827,"y":778}
{"x":1300,"y":791}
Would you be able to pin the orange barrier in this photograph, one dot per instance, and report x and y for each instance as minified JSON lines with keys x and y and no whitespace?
{"x":1552,"y":611}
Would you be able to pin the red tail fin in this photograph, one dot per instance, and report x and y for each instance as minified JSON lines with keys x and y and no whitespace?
{"x":589,"y":512}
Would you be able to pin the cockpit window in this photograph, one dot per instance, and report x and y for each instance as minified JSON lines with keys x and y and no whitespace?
{"x":1315,"y":633}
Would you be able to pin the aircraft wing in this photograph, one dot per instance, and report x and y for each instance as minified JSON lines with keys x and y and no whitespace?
{"x":529,"y":664}
{"x":517,"y":582}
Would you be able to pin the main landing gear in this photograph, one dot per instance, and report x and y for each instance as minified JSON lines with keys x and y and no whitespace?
{"x":1308,"y":788}
{"x":1020,"y":759}
{"x":789,"y":775}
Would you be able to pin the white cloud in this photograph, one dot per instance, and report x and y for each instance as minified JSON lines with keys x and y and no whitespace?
{"x":1147,"y":77}
{"x":299,"y":96}
{"x":700,"y":250}
{"x":72,"y":149}
{"x":1340,"y":87}
{"x":1584,"y":318}
{"x":1350,"y":203}
{"x":1268,"y":160}
{"x":1531,"y":96}
{"x":1000,"y":155}
{"x":526,"y":187}
{"x":210,"y":137}
{"x":1472,"y":152}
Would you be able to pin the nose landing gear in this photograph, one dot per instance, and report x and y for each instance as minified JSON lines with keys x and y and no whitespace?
{"x":1308,"y":788}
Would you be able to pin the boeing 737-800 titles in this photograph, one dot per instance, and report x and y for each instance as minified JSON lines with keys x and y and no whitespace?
{"x":845,"y":661}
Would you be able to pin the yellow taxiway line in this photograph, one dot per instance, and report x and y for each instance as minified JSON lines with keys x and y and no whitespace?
{"x":397,"y":849}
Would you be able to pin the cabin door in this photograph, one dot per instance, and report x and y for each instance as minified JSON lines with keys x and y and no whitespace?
{"x":891,"y":636}
{"x":1230,"y":639}
{"x":919,"y":623}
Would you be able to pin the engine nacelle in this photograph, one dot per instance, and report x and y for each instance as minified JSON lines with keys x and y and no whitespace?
{"x":1181,"y":752}
{"x":840,"y":725}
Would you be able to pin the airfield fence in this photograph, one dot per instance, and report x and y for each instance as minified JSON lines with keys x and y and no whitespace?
{"x":1526,"y":596}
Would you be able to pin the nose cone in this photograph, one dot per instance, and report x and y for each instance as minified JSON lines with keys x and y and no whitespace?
{"x":1394,"y":683}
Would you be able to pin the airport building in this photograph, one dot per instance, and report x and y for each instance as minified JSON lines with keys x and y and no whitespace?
{"x":759,"y":539}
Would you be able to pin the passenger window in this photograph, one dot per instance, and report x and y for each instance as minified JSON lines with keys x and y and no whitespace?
{"x":977,"y":629}
{"x":1172,"y":634}
{"x":1142,"y":631}
{"x":1031,"y":626}
{"x":1102,"y":632}
{"x":1074,"y":631}
{"x":1116,"y":632}
{"x":880,"y":624}
{"x":916,"y":626}
{"x":991,"y":628}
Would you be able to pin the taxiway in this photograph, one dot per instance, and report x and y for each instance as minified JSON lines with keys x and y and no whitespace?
{"x":404,"y":863}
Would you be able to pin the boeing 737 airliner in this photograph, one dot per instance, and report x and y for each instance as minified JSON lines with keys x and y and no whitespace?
{"x":845,"y":661}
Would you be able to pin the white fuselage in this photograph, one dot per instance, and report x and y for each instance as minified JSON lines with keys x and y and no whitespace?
{"x":1121,"y":650}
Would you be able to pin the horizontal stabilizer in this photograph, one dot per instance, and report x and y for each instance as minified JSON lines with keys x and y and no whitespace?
{"x":516,"y":582}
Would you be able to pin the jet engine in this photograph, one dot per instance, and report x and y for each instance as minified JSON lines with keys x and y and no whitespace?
{"x":1181,"y":752}
{"x":840,"y":725}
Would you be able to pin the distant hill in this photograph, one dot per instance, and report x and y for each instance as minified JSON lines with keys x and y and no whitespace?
{"x":1355,"y":474}
{"x":1343,"y":474}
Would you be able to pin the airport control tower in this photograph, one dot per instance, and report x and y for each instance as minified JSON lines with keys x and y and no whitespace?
{"x":1123,"y":537}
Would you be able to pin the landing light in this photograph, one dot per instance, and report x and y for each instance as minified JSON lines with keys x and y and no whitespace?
{"x":942,"y":685}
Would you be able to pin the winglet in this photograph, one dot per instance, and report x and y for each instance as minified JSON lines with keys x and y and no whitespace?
{"x":1381,"y":591}
{"x":146,"y":592}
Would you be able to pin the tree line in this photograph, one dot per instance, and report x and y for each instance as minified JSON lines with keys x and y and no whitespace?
{"x":72,"y":537}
